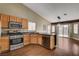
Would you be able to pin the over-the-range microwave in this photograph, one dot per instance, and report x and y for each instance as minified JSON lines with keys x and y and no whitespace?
{"x":15,"y":25}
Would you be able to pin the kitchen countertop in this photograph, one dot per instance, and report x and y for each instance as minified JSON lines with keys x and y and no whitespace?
{"x":28,"y":33}
{"x":25,"y":32}
{"x":37,"y":33}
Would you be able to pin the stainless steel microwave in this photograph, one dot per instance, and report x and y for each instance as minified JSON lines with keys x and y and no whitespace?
{"x":15,"y":25}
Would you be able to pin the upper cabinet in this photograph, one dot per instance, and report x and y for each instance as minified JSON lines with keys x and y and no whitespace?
{"x":13,"y":18}
{"x":19,"y":20}
{"x":4,"y":20}
{"x":24,"y":24}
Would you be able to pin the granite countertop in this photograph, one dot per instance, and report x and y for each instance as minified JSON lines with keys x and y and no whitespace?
{"x":36,"y":33}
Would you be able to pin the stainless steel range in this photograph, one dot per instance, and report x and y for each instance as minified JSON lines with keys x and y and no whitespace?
{"x":16,"y":41}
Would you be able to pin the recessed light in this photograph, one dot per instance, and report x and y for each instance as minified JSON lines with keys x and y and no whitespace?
{"x":58,"y":17}
{"x":65,"y":14}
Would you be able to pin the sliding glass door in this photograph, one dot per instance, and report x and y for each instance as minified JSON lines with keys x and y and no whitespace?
{"x":63,"y":30}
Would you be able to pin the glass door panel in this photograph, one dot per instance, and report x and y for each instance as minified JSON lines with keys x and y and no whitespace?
{"x":65,"y":30}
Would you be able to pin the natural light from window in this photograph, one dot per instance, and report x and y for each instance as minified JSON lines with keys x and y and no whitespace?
{"x":75,"y":28}
{"x":32,"y":26}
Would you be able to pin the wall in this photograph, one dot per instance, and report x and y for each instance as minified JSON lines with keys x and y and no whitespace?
{"x":21,"y":11}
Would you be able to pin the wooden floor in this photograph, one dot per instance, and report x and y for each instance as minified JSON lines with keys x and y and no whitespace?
{"x":65,"y":47}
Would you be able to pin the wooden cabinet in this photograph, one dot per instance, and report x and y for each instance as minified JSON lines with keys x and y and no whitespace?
{"x":34,"y":38}
{"x":19,"y":20}
{"x":26,"y":39}
{"x":4,"y":43}
{"x":24,"y":23}
{"x":0,"y":45}
{"x":52,"y":42}
{"x":4,"y":20}
{"x":47,"y":41}
{"x":39,"y":39}
{"x":13,"y":18}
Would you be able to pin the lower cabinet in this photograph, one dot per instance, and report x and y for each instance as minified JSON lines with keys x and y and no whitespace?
{"x":0,"y":44}
{"x":26,"y":39}
{"x":52,"y":41}
{"x":47,"y":41}
{"x":39,"y":39}
{"x":34,"y":38}
{"x":4,"y":44}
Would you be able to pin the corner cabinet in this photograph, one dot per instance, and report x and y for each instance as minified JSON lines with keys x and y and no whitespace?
{"x":34,"y":38}
{"x":4,"y":44}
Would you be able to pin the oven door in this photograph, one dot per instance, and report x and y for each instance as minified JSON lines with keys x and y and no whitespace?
{"x":16,"y":41}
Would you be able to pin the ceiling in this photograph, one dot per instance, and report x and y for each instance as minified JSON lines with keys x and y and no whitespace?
{"x":51,"y":11}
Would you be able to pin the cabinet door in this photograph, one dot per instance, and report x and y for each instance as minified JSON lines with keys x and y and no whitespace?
{"x":13,"y":18}
{"x":52,"y":42}
{"x":34,"y":39}
{"x":4,"y":43}
{"x":26,"y":39}
{"x":24,"y":23}
{"x":4,"y":21}
{"x":19,"y":20}
{"x":40,"y":39}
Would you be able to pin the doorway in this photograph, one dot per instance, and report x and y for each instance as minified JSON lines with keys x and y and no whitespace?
{"x":63,"y":30}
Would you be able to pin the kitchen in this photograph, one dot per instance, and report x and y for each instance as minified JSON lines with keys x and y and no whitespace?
{"x":15,"y":34}
{"x":25,"y":32}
